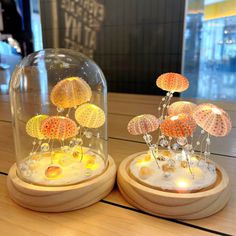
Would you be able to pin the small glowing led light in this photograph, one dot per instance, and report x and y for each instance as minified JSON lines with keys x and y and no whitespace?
{"x":182,"y":183}
{"x":174,"y":118}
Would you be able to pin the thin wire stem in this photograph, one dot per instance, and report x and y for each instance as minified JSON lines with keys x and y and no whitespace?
{"x":149,"y":144}
{"x":68,"y":113}
{"x":81,"y":135}
{"x":39,"y":143}
{"x":51,"y":151}
{"x":32,"y":150}
{"x":202,"y":141}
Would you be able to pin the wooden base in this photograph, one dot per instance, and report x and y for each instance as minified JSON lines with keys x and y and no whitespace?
{"x":63,"y":198}
{"x":173,"y":205}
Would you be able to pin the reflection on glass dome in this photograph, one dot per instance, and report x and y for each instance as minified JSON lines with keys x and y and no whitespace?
{"x":58,"y":101}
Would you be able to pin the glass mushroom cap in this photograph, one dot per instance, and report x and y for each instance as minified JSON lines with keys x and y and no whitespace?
{"x":58,"y":101}
{"x":171,"y":163}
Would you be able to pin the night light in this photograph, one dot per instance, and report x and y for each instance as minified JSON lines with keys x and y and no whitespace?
{"x":59,"y":104}
{"x":176,"y":182}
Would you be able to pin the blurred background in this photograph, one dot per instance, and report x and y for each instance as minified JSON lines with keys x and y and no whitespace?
{"x":133,"y":41}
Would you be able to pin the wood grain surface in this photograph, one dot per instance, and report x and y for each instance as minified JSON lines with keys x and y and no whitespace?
{"x":188,"y":206}
{"x":61,"y":198}
{"x":113,"y":215}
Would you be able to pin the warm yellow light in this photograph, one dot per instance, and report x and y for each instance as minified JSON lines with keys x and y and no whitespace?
{"x":182,"y":183}
{"x":147,"y":158}
{"x":141,"y":162}
{"x":90,"y":116}
{"x":53,"y":172}
{"x":33,"y":126}
{"x":174,"y":118}
{"x":166,"y":153}
{"x":144,"y":161}
{"x":145,"y":172}
{"x":92,"y":166}
{"x":197,"y":172}
{"x":57,"y":155}
{"x":194,"y":159}
{"x":70,"y":92}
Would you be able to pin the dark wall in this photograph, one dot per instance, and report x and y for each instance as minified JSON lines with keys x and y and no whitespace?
{"x":139,"y":40}
{"x":136,"y":41}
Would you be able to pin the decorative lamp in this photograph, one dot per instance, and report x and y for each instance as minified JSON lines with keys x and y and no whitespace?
{"x":59,"y":115}
{"x":172,"y":179}
{"x":181,"y":107}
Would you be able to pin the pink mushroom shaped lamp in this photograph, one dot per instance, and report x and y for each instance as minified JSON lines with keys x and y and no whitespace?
{"x":175,"y":178}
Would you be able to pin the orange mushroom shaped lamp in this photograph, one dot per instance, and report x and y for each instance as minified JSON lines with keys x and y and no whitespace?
{"x":70,"y":92}
{"x":60,"y":136}
{"x":175,"y":177}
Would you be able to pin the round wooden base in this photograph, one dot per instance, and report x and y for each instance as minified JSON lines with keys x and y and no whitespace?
{"x":173,"y":205}
{"x":63,"y":198}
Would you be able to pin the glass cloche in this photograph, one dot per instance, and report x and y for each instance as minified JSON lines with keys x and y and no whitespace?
{"x":59,"y":114}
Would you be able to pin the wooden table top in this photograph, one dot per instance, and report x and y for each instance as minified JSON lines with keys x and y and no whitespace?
{"x":113,"y":215}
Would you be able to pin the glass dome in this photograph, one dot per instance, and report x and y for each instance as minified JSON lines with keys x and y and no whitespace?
{"x":59,"y":115}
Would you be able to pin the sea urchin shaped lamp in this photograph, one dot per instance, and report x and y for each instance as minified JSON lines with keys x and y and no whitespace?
{"x":59,"y":106}
{"x":175,"y":181}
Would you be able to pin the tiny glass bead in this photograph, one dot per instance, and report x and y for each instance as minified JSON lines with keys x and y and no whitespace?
{"x":88,"y":134}
{"x":59,"y":109}
{"x":44,"y":147}
{"x":175,"y":146}
{"x":182,"y":141}
{"x":163,"y":142}
{"x":208,"y":141}
{"x":147,"y":138}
